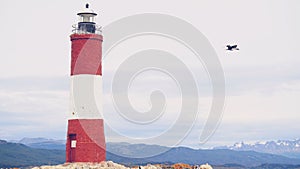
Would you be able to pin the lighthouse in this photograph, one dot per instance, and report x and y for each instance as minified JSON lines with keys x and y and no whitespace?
{"x":85,"y":135}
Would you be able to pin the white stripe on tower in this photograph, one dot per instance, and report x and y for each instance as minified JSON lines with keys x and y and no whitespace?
{"x":86,"y":97}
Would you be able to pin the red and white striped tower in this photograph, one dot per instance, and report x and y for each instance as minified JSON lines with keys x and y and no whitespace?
{"x":85,"y":136}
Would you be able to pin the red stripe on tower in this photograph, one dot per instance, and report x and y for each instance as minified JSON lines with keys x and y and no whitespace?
{"x":86,"y":54}
{"x":85,"y":135}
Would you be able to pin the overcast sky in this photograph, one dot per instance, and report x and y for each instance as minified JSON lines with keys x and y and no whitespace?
{"x":262,"y":78}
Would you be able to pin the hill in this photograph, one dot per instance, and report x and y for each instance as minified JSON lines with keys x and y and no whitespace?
{"x":19,"y":155}
{"x":216,"y":157}
{"x":43,"y":143}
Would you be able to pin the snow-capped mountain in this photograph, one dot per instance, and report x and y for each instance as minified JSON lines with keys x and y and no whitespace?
{"x":289,"y":148}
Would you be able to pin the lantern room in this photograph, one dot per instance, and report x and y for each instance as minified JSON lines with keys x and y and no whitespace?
{"x":86,"y":22}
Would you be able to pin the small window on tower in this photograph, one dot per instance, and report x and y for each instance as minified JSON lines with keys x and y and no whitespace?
{"x":73,"y":144}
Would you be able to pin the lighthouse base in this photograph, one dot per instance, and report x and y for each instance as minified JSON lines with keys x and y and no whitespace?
{"x":85,"y":141}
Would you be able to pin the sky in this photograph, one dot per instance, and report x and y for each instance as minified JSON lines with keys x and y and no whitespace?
{"x":262,"y":78}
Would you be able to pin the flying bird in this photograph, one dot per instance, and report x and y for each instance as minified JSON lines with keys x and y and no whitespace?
{"x":232,"y":47}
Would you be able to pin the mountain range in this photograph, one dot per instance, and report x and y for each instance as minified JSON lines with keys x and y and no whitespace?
{"x":289,"y":148}
{"x":215,"y":157}
{"x":20,"y":155}
{"x":42,"y":151}
{"x":42,"y":143}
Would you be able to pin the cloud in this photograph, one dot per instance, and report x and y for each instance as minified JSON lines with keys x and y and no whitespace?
{"x":32,"y":105}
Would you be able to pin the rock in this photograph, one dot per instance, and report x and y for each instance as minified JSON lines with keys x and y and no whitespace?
{"x":206,"y":166}
{"x":102,"y":165}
